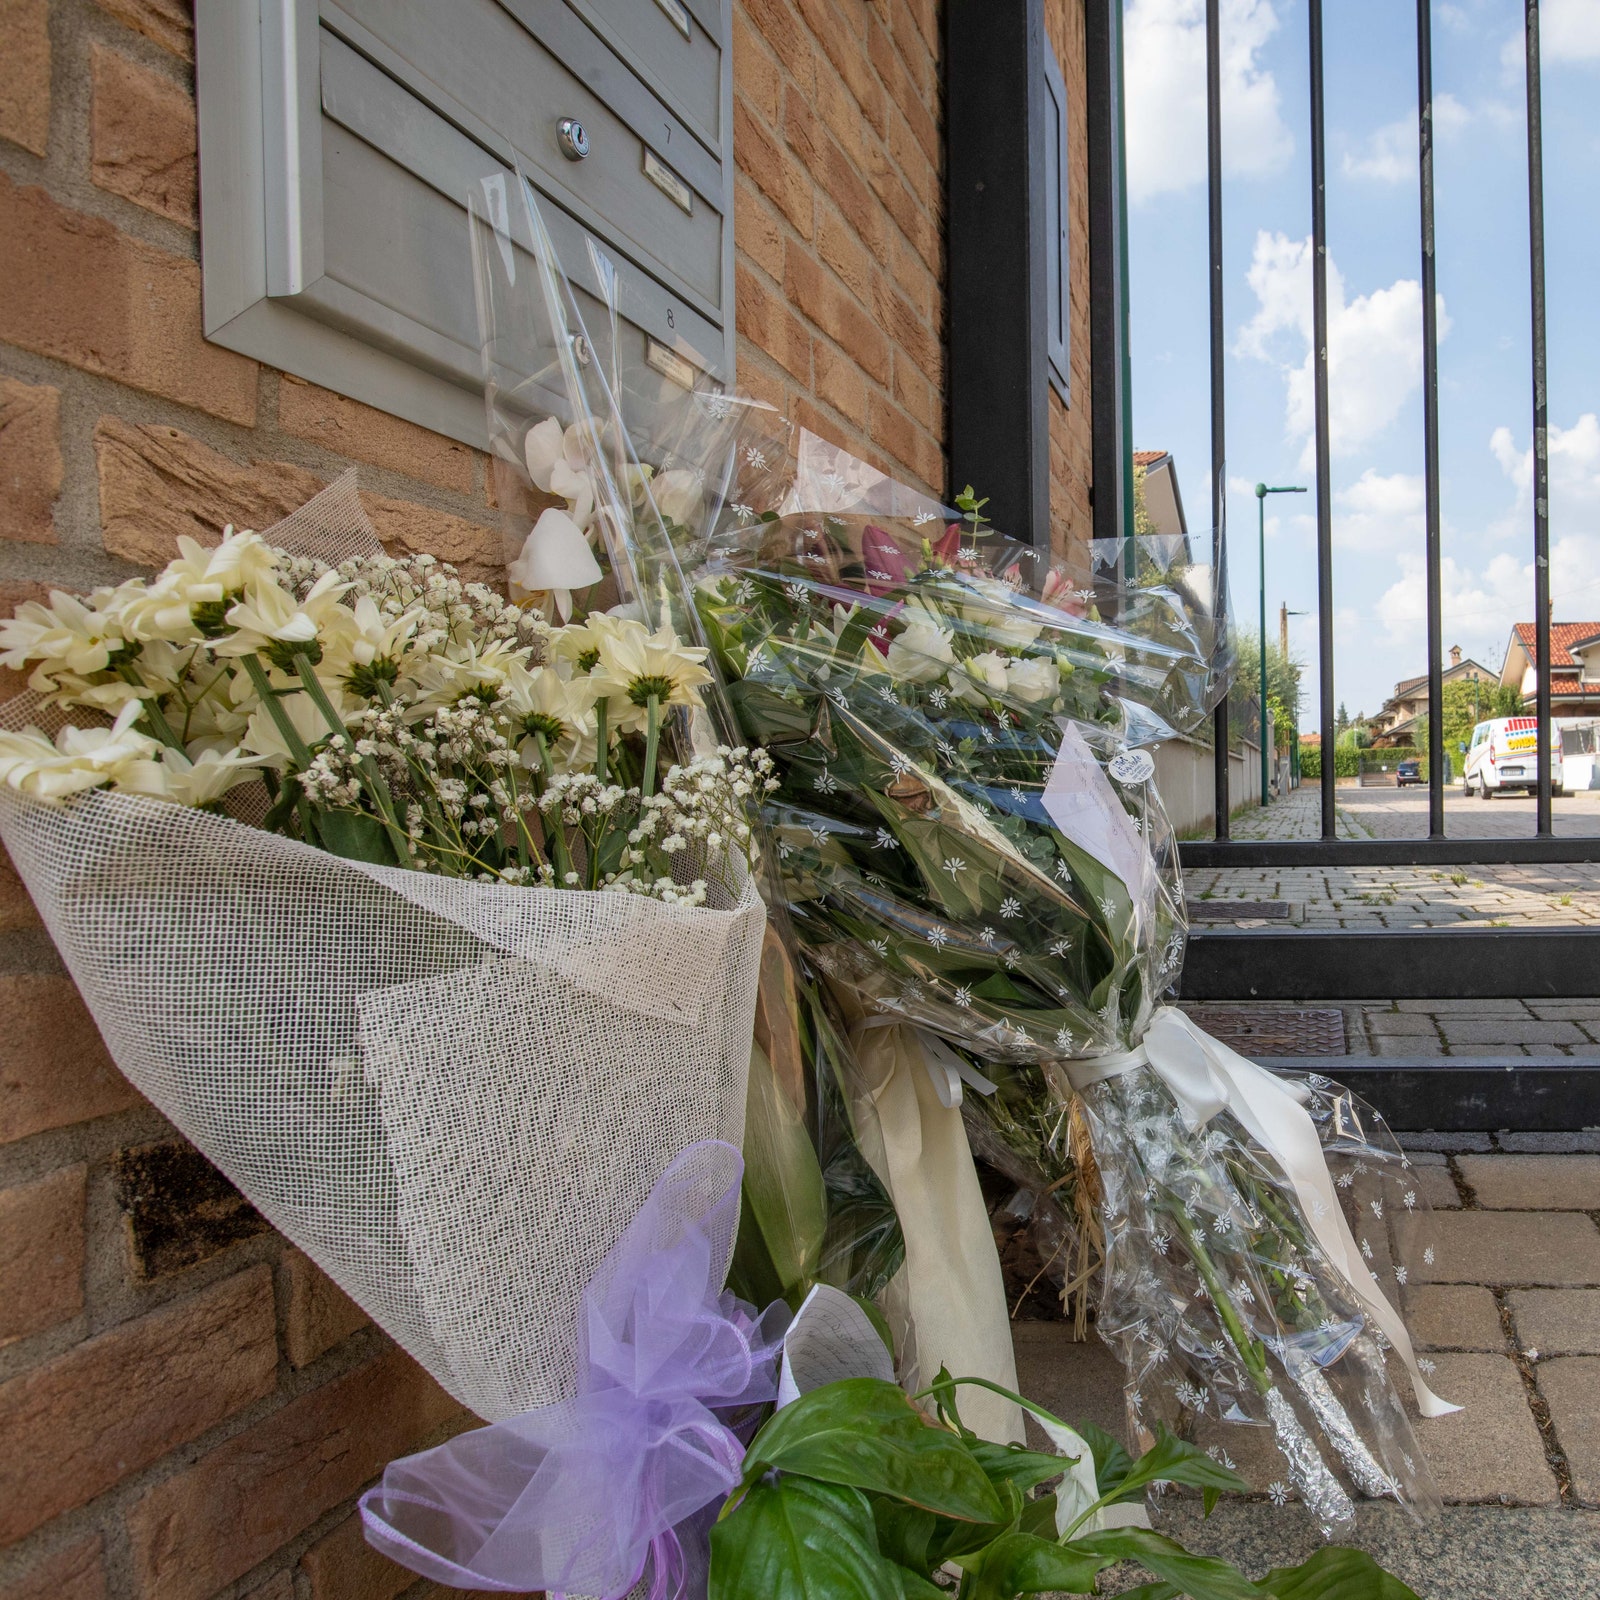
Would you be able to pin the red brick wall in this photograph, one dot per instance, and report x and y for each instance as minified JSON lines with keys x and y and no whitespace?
{"x":1071,"y":451}
{"x":839,"y":223}
{"x":188,"y":1406}
{"x":838,"y":135}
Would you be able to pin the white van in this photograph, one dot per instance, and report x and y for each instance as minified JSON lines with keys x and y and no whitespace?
{"x":1504,"y":754}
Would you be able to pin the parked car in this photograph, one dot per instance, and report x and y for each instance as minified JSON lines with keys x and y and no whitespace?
{"x":1504,"y":754}
{"x":1409,"y":771}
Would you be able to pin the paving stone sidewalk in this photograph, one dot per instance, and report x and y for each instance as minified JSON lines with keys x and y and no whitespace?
{"x":1566,"y":894}
{"x":1410,"y":1028}
{"x":1510,"y":1314}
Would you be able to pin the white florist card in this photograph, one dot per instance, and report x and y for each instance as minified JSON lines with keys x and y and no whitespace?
{"x":1084,"y":806}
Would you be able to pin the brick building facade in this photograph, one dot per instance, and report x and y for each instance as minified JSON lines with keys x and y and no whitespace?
{"x":189,"y":1406}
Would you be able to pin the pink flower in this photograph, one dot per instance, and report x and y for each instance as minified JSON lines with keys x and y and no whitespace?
{"x":881,"y":556}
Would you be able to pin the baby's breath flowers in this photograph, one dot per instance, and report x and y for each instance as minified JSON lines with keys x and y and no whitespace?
{"x":393,"y":713}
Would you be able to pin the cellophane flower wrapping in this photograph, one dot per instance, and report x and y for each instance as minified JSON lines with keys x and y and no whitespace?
{"x":452,"y":1095}
{"x":578,"y":422}
{"x":971,"y":841}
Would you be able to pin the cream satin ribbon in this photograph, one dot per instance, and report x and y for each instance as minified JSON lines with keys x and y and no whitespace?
{"x":950,"y":1296}
{"x":1206,"y":1077}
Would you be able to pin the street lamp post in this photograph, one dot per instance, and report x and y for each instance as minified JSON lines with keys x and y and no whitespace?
{"x":1262,"y":491}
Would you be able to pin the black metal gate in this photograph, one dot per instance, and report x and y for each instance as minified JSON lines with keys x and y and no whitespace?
{"x":1294,"y":965}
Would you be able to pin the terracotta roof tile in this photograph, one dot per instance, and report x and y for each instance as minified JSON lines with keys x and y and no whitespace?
{"x":1562,"y":635}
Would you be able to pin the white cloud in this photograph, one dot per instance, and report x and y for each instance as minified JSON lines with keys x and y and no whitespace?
{"x":1374,"y":344}
{"x":1389,"y":155}
{"x":1164,"y":49}
{"x":1379,"y":512}
{"x":1574,"y":493}
{"x":1569,"y":31}
{"x":1574,"y":481}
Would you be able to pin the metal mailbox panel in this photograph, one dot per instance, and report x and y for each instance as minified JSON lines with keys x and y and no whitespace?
{"x":665,"y":42}
{"x":480,"y":56}
{"x":339,"y":141}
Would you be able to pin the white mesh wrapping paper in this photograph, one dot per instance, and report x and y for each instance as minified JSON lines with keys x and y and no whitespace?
{"x":453,"y":1096}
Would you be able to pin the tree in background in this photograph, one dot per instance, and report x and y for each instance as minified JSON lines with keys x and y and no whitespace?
{"x":1342,"y":721}
{"x":1465,"y":705}
{"x":1283,"y":686}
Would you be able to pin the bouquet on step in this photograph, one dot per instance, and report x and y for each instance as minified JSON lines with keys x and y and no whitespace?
{"x":974,"y":852}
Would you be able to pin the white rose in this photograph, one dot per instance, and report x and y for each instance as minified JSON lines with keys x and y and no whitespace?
{"x":921,"y":652}
{"x":677,"y":496}
{"x":980,"y":676}
{"x":999,"y":616}
{"x":1032,"y":679}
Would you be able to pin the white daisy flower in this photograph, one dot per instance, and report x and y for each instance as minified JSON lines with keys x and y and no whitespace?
{"x":1010,"y":907}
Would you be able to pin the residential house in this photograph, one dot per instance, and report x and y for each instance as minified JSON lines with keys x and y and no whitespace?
{"x":1574,"y":668}
{"x":1397,"y":722}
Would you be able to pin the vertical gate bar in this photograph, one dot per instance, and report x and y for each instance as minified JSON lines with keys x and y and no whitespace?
{"x":1430,"y":419}
{"x":1219,"y":440}
{"x":1319,"y":360}
{"x":1541,"y":419}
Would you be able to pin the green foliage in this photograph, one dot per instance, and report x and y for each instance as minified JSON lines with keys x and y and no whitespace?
{"x":1283,"y":674}
{"x":1465,"y":705}
{"x":851,"y":1493}
{"x":1346,"y":761}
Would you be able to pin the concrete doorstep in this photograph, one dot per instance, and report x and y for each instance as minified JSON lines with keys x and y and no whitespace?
{"x":1509,"y":1313}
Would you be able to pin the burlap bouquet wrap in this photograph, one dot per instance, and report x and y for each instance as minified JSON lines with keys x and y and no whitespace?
{"x":453,"y":1096}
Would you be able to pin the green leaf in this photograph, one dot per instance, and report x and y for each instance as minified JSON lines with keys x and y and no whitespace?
{"x":1200,"y":1577}
{"x":1011,"y":1463}
{"x":1336,"y":1572}
{"x":1020,"y":1563}
{"x":355,"y":837}
{"x":798,"y":1540}
{"x":905,"y":1533}
{"x":865,"y":1433}
{"x":783,"y":1193}
{"x":1112,"y":1463}
{"x":768,"y":718}
{"x":1177,"y":1462}
{"x":1152,"y":1591}
{"x":943,"y":1389}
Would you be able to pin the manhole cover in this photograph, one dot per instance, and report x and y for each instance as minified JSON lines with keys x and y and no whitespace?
{"x":1240,"y":910}
{"x":1273,"y":1031}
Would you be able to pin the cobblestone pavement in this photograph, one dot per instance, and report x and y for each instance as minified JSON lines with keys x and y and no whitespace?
{"x":1510,"y":1313}
{"x":1543,"y":1028}
{"x":1412,"y":897}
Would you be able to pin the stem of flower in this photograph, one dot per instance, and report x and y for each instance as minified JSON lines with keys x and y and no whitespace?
{"x":602,"y":741}
{"x":1248,"y":1346}
{"x":381,"y":797}
{"x":652,"y":737}
{"x":555,"y":830}
{"x":151,"y":712}
{"x":298,"y":748}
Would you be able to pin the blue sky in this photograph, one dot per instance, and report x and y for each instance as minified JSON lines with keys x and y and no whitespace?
{"x":1375,"y":335}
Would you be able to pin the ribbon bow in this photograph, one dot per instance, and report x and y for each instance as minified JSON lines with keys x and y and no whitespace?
{"x":1206,"y":1077}
{"x":586,"y":1495}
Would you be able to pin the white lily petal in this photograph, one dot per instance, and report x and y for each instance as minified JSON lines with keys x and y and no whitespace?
{"x":542,"y":449}
{"x":555,"y":555}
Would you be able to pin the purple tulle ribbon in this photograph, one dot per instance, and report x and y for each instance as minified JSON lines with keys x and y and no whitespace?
{"x":589,"y":1495}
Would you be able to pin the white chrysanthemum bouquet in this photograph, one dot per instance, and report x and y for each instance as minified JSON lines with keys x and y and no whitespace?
{"x":428,"y":921}
{"x":393,"y":714}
